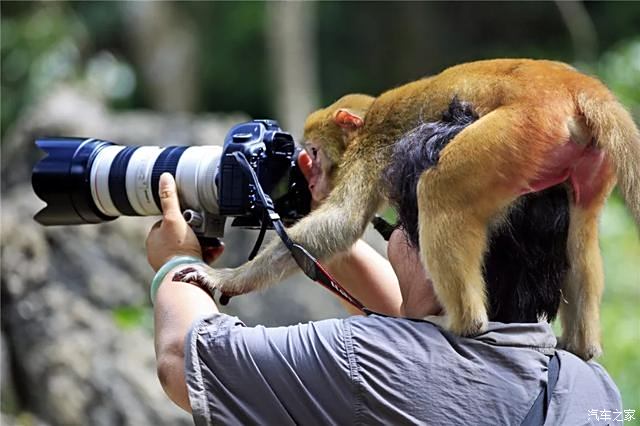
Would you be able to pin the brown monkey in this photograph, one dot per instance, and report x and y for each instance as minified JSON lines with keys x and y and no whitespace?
{"x":541,"y":124}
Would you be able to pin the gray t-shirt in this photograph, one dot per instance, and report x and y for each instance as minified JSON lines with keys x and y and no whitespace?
{"x":380,"y":370}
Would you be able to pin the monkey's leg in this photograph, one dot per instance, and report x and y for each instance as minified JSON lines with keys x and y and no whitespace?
{"x":584,"y":284}
{"x":480,"y":172}
{"x":582,"y":290}
{"x":452,"y":245}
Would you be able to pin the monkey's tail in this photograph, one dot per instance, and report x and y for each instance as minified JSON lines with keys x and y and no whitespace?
{"x":615,"y":132}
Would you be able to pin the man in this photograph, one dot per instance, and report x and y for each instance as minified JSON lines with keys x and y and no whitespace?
{"x":378,"y":369}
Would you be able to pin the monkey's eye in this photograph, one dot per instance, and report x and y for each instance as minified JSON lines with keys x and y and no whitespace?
{"x":314,"y":152}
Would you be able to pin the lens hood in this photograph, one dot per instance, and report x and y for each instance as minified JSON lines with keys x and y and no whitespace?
{"x":61,"y":179}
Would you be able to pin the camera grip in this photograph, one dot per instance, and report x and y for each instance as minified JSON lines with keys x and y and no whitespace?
{"x":209,"y":241}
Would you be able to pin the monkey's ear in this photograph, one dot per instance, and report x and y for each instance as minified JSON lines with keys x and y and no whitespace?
{"x":347,"y":119}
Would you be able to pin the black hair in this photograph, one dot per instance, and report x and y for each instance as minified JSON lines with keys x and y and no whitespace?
{"x":414,"y":153}
{"x":526,"y":261}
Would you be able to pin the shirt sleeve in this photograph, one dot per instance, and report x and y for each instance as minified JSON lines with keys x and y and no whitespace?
{"x":258,"y":375}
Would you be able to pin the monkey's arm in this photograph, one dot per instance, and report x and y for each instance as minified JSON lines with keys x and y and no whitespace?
{"x":333,"y":228}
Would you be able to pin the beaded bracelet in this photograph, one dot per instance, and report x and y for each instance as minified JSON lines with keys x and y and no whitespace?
{"x":164,"y":270}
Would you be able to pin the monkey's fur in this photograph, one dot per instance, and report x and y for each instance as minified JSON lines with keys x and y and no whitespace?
{"x":541,"y":123}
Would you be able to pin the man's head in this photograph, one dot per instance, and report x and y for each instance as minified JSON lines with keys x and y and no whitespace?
{"x":524,"y":267}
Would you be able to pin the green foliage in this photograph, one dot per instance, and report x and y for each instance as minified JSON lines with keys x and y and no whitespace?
{"x":234,"y":67}
{"x":37,"y":50}
{"x":620,"y":314}
{"x":47,"y":44}
{"x":620,"y":243}
{"x":127,"y":317}
{"x":620,"y":69}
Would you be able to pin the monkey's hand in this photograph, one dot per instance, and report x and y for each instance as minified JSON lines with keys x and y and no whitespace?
{"x":212,"y":279}
{"x":241,"y":280}
{"x":200,"y":275}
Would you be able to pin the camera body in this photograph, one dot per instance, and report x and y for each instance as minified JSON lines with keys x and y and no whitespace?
{"x":272,"y":154}
{"x":92,"y":181}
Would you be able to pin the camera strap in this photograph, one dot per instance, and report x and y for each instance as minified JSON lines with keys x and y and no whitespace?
{"x":309,"y":265}
{"x":383,"y":227}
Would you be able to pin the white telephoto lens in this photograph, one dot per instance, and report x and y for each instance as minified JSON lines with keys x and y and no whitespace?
{"x":138,"y":181}
{"x":207,"y":172}
{"x":99,"y":180}
{"x":195,"y":178}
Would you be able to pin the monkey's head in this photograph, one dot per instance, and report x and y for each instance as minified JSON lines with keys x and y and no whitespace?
{"x":329,"y":131}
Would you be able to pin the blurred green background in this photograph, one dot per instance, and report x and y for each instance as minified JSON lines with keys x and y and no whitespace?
{"x":281,"y":60}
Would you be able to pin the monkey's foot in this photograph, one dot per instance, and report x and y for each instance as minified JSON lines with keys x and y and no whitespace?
{"x":584,"y":349}
{"x":467,"y":325}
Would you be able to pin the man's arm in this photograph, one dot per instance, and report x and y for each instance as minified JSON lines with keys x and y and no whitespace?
{"x":178,"y":306}
{"x":369,"y":278}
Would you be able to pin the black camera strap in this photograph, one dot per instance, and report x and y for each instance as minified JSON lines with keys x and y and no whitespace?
{"x":309,"y":265}
{"x":383,"y":227}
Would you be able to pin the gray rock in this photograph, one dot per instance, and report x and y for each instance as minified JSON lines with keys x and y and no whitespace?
{"x":60,"y":287}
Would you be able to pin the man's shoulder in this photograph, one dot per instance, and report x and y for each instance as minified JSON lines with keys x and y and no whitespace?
{"x":398,"y":340}
{"x":501,"y":367}
{"x":393,"y":327}
{"x":380,"y":320}
{"x":530,"y":336}
{"x":279,"y":375}
{"x":586,"y":374}
{"x":583,"y":387}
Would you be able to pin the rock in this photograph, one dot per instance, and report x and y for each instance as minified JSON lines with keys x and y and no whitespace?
{"x":60,"y":287}
{"x":8,"y":396}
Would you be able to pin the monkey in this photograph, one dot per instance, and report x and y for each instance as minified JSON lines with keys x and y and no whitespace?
{"x":540,"y":124}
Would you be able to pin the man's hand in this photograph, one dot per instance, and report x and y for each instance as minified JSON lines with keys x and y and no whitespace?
{"x":172,"y":236}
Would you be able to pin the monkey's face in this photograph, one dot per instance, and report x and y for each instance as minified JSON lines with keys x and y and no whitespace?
{"x":328,"y":133}
{"x":320,"y":177}
{"x":321,"y":132}
{"x":332,"y":128}
{"x":325,"y":144}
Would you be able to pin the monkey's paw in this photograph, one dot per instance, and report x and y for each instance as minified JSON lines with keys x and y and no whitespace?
{"x":211,"y":279}
{"x":200,"y":275}
{"x":584,"y":349}
{"x":468,"y":324}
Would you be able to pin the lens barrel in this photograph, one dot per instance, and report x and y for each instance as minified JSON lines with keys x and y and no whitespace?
{"x":92,"y":181}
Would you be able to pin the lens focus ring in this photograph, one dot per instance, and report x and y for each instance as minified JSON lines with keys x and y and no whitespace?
{"x":167,"y":161}
{"x":118,"y":182}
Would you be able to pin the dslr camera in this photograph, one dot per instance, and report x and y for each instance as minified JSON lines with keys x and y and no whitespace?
{"x":93,"y":181}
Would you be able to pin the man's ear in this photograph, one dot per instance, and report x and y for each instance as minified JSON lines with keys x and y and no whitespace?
{"x":348,"y":119}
